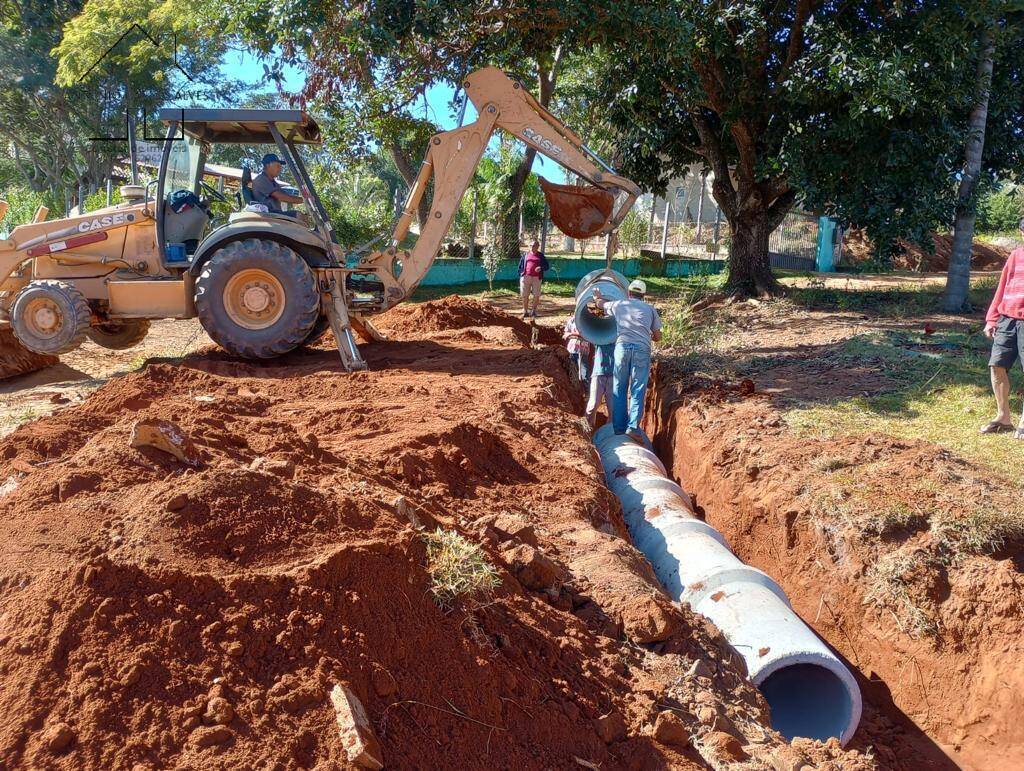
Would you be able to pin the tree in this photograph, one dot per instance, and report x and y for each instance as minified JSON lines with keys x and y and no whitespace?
{"x":991,"y":137}
{"x":54,"y":100}
{"x":372,"y":63}
{"x":852,"y":108}
{"x":959,"y":277}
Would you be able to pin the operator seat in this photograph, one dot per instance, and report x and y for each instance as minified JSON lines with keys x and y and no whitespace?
{"x":245,"y":187}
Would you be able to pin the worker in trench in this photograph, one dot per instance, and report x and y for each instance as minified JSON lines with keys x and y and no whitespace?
{"x":579,"y":349}
{"x":1004,"y":326}
{"x":638,"y":325}
{"x":601,"y":382}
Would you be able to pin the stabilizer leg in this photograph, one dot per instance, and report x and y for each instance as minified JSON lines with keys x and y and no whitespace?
{"x":332,"y":298}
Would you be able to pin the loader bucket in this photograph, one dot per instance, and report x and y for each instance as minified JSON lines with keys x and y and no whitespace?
{"x":579,"y":212}
{"x":16,"y":360}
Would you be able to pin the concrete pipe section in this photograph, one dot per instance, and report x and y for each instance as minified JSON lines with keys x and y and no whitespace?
{"x":810,"y":692}
{"x":599,"y":330}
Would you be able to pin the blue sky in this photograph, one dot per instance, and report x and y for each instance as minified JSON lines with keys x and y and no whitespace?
{"x":243,"y":66}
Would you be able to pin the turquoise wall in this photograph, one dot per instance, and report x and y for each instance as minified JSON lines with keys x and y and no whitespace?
{"x":454,"y":272}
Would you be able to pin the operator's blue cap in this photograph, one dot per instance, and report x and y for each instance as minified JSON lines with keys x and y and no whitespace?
{"x":272,"y":158}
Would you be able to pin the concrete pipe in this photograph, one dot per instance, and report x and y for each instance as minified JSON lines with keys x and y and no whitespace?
{"x":810,"y":692}
{"x":599,"y":330}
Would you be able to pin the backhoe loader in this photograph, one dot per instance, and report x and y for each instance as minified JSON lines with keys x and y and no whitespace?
{"x":264,"y":283}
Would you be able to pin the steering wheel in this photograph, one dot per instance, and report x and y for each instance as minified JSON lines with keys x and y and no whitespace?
{"x":214,"y":193}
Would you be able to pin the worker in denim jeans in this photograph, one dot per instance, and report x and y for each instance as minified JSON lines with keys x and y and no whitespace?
{"x":638,"y":325}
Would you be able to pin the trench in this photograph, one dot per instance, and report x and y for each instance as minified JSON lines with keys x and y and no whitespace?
{"x":726,"y":500}
{"x":810,"y":692}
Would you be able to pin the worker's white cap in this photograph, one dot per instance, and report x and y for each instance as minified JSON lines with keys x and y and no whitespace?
{"x":638,"y":286}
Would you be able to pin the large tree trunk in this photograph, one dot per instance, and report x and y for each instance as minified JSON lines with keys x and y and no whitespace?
{"x":509,"y":236}
{"x":958,"y":280}
{"x":409,"y":174}
{"x":750,"y":271}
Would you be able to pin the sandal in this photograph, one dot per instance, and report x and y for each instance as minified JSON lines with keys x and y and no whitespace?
{"x":995,"y":427}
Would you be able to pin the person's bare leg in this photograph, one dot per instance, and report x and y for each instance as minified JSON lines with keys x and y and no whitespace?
{"x":1001,"y":390}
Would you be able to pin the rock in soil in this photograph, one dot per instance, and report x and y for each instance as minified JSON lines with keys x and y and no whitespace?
{"x":357,"y":737}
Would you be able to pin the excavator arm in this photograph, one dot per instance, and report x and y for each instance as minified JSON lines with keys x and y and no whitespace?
{"x":452,"y":159}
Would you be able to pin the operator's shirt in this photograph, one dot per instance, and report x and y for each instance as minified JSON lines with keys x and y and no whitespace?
{"x":635,"y":319}
{"x":262,"y":189}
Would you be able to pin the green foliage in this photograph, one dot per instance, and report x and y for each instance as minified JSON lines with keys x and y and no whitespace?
{"x":1000,"y":210}
{"x":633,"y":233}
{"x":492,"y":257}
{"x":356,"y":200}
{"x":22,"y":205}
{"x":55,"y":93}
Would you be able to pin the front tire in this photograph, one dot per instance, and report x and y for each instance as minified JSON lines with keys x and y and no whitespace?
{"x":119,"y":334}
{"x":257,"y":299}
{"x":50,"y":317}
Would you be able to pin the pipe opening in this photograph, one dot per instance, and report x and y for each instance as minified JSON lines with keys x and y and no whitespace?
{"x":600,"y":329}
{"x":809,"y":701}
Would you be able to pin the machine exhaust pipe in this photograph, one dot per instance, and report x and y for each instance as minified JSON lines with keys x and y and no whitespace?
{"x":599,"y":330}
{"x":810,"y":692}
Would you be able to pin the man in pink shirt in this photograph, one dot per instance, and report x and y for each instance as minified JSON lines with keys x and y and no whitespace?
{"x":1004,"y":325}
{"x":531,"y":273}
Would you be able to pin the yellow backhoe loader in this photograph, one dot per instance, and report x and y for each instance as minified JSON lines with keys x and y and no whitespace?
{"x":262,"y":283}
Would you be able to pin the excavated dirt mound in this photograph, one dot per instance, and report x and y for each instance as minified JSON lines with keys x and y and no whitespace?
{"x":464,"y":318}
{"x":896,"y":552}
{"x":857,"y":247}
{"x":162,"y":614}
{"x":16,"y":360}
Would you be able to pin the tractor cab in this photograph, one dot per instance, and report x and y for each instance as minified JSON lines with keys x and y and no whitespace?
{"x":191,"y":222}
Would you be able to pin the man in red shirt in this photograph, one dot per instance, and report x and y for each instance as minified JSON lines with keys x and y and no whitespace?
{"x":1004,"y":325}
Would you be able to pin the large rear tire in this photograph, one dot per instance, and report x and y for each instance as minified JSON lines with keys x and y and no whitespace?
{"x":257,"y":299}
{"x":50,"y":317}
{"x":119,"y":334}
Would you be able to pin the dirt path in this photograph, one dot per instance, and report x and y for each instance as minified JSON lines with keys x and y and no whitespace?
{"x":159,"y":614}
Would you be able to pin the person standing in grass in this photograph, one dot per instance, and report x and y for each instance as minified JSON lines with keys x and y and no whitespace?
{"x":531,"y":273}
{"x":1004,"y":326}
{"x":638,"y":325}
{"x":579,"y":350}
{"x":601,"y":382}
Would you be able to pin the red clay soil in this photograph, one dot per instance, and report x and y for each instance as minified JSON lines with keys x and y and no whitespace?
{"x":940,"y":654}
{"x":159,"y":615}
{"x":858,"y":248}
{"x":16,"y":359}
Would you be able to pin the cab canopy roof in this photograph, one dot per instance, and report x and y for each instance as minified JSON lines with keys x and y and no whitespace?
{"x":242,"y":126}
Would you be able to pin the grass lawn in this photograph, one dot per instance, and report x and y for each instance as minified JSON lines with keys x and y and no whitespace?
{"x":941,"y":393}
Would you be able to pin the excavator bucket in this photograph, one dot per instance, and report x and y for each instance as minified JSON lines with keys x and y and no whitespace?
{"x":579,"y":212}
{"x":16,"y":360}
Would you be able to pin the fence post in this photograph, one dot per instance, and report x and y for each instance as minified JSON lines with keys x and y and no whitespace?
{"x":544,"y":229}
{"x":472,"y":228}
{"x":110,"y":190}
{"x":608,"y":250}
{"x":664,"y":229}
{"x":718,"y":223}
{"x":650,"y":222}
{"x":700,"y":205}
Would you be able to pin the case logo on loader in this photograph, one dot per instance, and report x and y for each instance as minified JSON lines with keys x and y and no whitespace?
{"x":105,"y":221}
{"x":539,"y":139}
